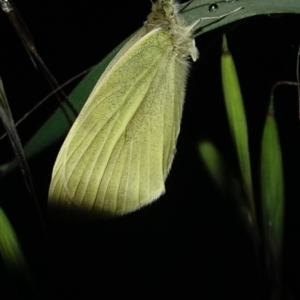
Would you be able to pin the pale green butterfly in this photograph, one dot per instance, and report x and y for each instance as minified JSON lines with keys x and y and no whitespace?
{"x":119,"y":151}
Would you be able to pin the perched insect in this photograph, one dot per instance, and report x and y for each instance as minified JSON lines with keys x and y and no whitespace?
{"x":119,"y":151}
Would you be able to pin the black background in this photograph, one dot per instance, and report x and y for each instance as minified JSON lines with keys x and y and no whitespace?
{"x":190,"y":243}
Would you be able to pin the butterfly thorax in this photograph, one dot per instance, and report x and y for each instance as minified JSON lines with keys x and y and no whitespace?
{"x":164,"y":15}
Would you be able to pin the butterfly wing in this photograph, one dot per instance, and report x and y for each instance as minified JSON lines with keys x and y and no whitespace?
{"x":118,"y":152}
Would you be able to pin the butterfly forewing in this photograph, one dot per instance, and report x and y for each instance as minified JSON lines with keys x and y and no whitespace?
{"x":118,"y":152}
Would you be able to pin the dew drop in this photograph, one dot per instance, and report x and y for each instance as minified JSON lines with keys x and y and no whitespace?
{"x":213,"y":7}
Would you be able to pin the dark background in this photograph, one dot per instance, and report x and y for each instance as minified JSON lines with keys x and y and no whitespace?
{"x":190,"y":242}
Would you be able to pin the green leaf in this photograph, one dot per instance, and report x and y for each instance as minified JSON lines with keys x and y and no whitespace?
{"x":272,"y":185}
{"x":229,"y":185}
{"x":200,"y":9}
{"x":10,"y":249}
{"x":237,"y":120}
{"x":216,"y":166}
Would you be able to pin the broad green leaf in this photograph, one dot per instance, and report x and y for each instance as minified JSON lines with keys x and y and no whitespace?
{"x":200,"y":9}
{"x":57,"y":126}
